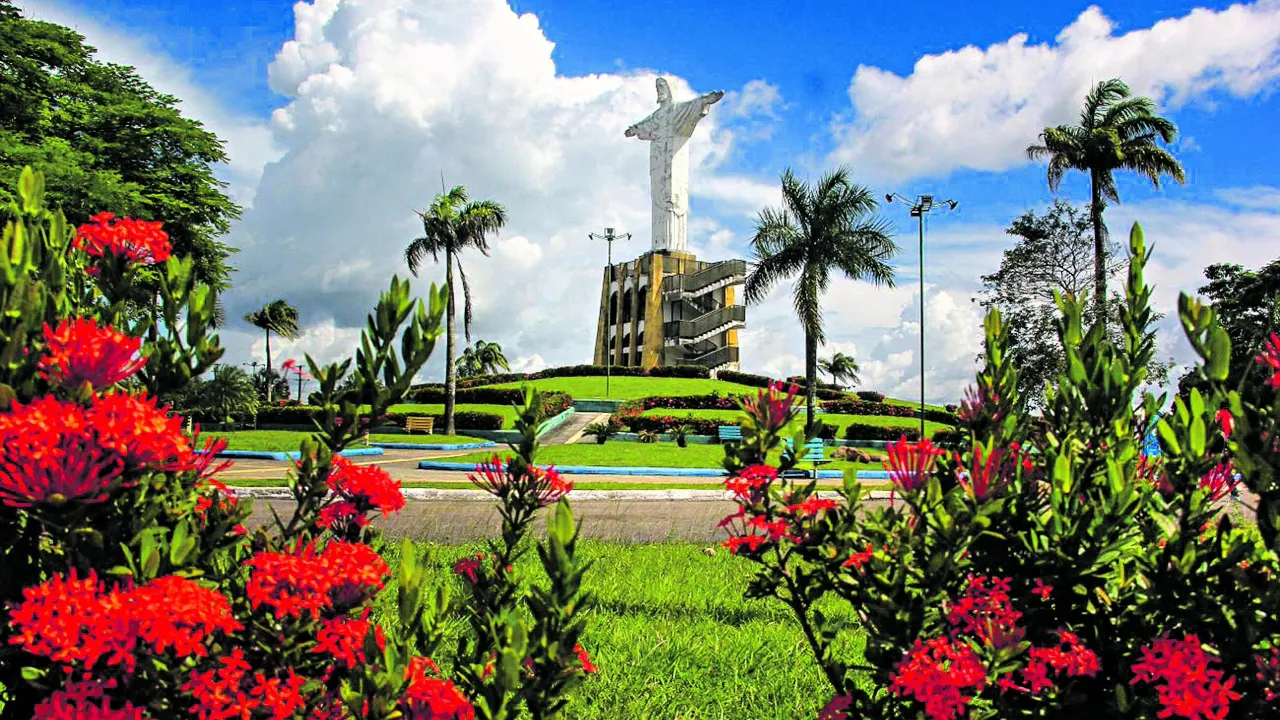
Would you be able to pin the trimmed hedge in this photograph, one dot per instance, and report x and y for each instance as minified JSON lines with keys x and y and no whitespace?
{"x":553,"y":403}
{"x":304,"y":414}
{"x":863,"y":407}
{"x":824,"y":392}
{"x":859,"y":431}
{"x":714,"y":401}
{"x":664,"y":423}
{"x":681,"y":371}
{"x":871,"y":395}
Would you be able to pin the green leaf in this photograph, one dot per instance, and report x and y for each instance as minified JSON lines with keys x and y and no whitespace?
{"x":1196,"y":441}
{"x":1217,"y":364}
{"x":31,"y":674}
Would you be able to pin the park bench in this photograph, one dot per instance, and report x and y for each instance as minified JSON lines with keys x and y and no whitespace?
{"x":729,"y":433}
{"x":814,"y":453}
{"x":417,"y":423}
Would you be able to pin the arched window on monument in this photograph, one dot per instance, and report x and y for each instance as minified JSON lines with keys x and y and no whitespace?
{"x":626,"y":306}
{"x":641,"y":296}
{"x":613,"y":308}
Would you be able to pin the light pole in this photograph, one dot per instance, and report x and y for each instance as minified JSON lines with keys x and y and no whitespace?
{"x":920,"y":206}
{"x":609,"y":236}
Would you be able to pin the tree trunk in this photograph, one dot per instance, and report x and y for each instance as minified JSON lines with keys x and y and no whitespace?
{"x":810,"y":379}
{"x":269,"y":377}
{"x":450,"y":373}
{"x":1099,"y":252}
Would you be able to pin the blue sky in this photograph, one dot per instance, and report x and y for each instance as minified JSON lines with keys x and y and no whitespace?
{"x":346,"y":112}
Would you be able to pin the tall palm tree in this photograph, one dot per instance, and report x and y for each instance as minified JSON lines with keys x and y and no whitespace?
{"x":842,"y":368}
{"x":452,"y":224}
{"x":277,"y":317}
{"x":1117,"y":131}
{"x":820,"y":228}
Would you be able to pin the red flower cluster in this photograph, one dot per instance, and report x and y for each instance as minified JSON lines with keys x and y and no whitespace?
{"x":1269,"y":673}
{"x":84,"y":701}
{"x":836,"y":708}
{"x":751,"y":482}
{"x":309,"y":580}
{"x":990,"y":471}
{"x":1220,"y":481}
{"x":71,"y":620}
{"x":230,"y":691}
{"x":137,"y":241}
{"x":544,"y":486}
{"x":1187,"y":686}
{"x":858,"y":559}
{"x":366,"y":487}
{"x":910,"y":463}
{"x":943,"y":674}
{"x":343,"y":638}
{"x":339,"y":515}
{"x":433,"y":698}
{"x":773,"y":407}
{"x":812,"y":507}
{"x":985,"y":611}
{"x":585,"y":660}
{"x":742,"y":532}
{"x":1269,"y":359}
{"x":78,"y":352}
{"x":1070,"y":658}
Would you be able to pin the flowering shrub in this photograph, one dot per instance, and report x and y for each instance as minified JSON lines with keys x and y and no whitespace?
{"x":131,"y":587}
{"x":1043,"y":566}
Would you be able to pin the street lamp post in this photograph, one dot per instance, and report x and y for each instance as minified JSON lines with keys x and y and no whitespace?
{"x":921,"y":205}
{"x":609,"y":236}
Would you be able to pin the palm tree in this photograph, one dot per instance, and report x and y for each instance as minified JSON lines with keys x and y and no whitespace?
{"x":828,"y":226}
{"x":841,"y":367}
{"x":452,"y":224}
{"x":1117,"y":131}
{"x":228,"y":393}
{"x":277,"y":317}
{"x":483,"y":358}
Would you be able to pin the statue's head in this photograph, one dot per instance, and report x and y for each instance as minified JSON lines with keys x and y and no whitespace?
{"x":664,"y":92}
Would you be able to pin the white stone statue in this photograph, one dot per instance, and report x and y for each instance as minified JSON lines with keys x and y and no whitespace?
{"x":668,"y":130}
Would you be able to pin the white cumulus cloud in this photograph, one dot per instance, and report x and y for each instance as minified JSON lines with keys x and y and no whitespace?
{"x":979,"y":108}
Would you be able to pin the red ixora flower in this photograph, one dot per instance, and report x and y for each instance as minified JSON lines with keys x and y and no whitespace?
{"x":943,"y":674}
{"x":858,"y":559}
{"x":812,"y":507}
{"x":85,"y":700}
{"x":1069,"y":658}
{"x":772,"y":407}
{"x":542,"y":486}
{"x":79,"y":351}
{"x":73,"y":621}
{"x":1044,"y":591}
{"x":985,"y":611}
{"x":1187,"y":685}
{"x":742,"y":533}
{"x":910,"y":463}
{"x":140,"y":431}
{"x":585,"y":659}
{"x":987,"y":475}
{"x":367,"y":487}
{"x":137,"y":241}
{"x":229,"y":691}
{"x":49,"y":453}
{"x":1269,"y":359}
{"x":343,"y":638}
{"x":1269,"y":673}
{"x":836,"y":708}
{"x":308,"y":580}
{"x":751,"y":482}
{"x":1220,"y":481}
{"x":432,"y":698}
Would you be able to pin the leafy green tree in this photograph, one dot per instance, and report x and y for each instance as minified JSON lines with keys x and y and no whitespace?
{"x":228,"y":394}
{"x":107,"y":141}
{"x":1052,"y":253}
{"x":269,"y":384}
{"x":1247,"y":305}
{"x":842,"y":369}
{"x":1117,"y":131}
{"x":820,"y":228}
{"x":452,"y":224}
{"x":277,"y":317}
{"x":482,"y":358}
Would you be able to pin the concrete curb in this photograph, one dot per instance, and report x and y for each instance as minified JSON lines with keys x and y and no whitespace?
{"x":292,"y":455}
{"x":435,"y":446}
{"x":619,"y":471}
{"x":428,"y":494}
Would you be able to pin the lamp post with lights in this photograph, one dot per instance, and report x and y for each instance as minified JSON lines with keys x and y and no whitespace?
{"x":921,"y":205}
{"x":609,"y":236}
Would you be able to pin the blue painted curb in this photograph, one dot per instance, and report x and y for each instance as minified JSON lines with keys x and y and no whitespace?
{"x":294,"y":455}
{"x":435,"y":446}
{"x":873,"y":474}
{"x":603,"y":470}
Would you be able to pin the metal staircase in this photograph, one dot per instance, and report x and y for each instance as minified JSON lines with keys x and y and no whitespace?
{"x":710,"y":278}
{"x":707,"y":325}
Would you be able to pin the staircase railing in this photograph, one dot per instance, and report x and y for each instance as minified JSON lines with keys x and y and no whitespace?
{"x":707,"y":277}
{"x":715,"y":358}
{"x":690,"y":329}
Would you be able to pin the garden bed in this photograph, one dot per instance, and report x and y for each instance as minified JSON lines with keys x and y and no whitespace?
{"x":281,"y":441}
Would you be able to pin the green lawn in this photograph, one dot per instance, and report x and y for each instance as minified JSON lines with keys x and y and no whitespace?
{"x":634,"y":454}
{"x":287,"y":441}
{"x":840,"y":421}
{"x":627,"y":388}
{"x":911,"y":403}
{"x":674,"y":638}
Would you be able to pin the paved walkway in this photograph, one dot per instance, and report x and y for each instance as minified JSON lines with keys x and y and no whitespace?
{"x":571,"y":430}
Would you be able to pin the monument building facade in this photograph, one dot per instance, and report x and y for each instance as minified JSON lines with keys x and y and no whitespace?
{"x":667,"y":307}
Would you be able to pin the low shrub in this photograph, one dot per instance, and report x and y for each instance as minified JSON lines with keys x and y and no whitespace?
{"x":306,"y":415}
{"x":714,"y":401}
{"x":681,"y":371}
{"x":666,"y":423}
{"x":871,"y":395}
{"x":864,"y":407}
{"x":862,"y":431}
{"x":648,"y":437}
{"x":742,"y":378}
